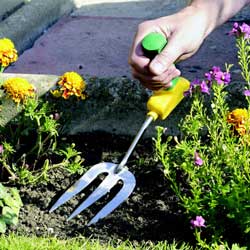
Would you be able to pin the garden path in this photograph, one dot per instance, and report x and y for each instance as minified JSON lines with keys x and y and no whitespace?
{"x":95,"y":37}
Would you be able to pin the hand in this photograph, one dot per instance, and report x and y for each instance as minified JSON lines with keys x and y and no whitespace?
{"x":185,"y":32}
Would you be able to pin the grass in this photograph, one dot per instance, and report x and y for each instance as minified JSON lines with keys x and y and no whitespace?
{"x":43,"y":243}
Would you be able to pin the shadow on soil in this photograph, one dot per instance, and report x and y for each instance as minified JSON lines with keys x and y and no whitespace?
{"x":150,"y":213}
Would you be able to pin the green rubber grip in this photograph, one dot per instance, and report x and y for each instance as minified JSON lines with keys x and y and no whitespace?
{"x":152,"y":45}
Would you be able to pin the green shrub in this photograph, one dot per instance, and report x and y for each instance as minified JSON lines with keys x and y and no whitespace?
{"x":208,"y":166}
{"x":10,"y":204}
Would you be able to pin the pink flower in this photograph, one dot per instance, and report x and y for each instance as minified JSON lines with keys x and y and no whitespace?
{"x":198,"y":222}
{"x":56,"y":116}
{"x":240,"y":30}
{"x":204,"y":87}
{"x":201,"y":85}
{"x":216,"y":74}
{"x":197,"y":160}
{"x":216,"y":69}
{"x":210,"y":75}
{"x":247,"y":92}
{"x":235,"y":30}
{"x":192,"y":87}
{"x":1,"y":149}
{"x":222,"y":77}
{"x":245,"y":30}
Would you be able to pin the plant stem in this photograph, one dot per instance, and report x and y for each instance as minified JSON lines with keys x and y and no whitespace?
{"x":7,"y":167}
{"x":243,"y":55}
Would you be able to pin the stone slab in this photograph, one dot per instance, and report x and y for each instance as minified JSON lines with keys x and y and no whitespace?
{"x":96,"y":46}
{"x":138,"y":8}
{"x":129,"y":8}
{"x":31,"y":20}
{"x":9,"y":6}
{"x":42,"y":83}
{"x":99,"y":46}
{"x":114,"y":105}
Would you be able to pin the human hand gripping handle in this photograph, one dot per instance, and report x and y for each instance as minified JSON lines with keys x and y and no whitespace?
{"x":163,"y":101}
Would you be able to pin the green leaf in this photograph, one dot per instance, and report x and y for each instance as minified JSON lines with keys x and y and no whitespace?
{"x":2,"y":191}
{"x":16,"y":196}
{"x":2,"y":226}
{"x":9,"y":216}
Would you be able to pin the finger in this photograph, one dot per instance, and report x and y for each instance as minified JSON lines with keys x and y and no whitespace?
{"x":150,"y":87}
{"x":157,"y":82}
{"x":162,"y":79}
{"x":171,"y":76}
{"x":147,"y":83}
{"x":187,"y":55}
{"x":138,"y":61}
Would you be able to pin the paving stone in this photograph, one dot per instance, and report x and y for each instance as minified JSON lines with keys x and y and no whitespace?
{"x":99,"y":46}
{"x":30,"y":21}
{"x":9,"y":6}
{"x":128,"y":8}
{"x":88,"y":45}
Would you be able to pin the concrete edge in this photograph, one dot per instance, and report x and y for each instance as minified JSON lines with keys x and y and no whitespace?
{"x":9,"y":109}
{"x":32,"y":19}
{"x":9,"y":7}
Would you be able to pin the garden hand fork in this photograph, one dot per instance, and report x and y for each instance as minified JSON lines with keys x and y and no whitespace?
{"x":160,"y":105}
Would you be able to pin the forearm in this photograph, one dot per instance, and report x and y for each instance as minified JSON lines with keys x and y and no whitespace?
{"x":216,"y":12}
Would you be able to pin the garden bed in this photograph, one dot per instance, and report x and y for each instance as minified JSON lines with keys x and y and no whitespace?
{"x":150,"y":213}
{"x":192,"y":182}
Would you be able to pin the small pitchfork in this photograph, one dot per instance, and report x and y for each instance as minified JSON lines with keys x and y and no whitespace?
{"x":160,"y":105}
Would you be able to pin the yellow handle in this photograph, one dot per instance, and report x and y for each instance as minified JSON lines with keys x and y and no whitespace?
{"x":162,"y":102}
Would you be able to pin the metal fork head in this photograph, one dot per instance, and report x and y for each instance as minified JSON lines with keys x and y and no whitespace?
{"x":110,"y":181}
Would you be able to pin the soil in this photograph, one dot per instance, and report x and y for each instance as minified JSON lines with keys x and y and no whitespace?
{"x":150,"y":213}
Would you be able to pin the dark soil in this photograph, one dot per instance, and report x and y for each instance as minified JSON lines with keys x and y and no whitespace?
{"x":150,"y":213}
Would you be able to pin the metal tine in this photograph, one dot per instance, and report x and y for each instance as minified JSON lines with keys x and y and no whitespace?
{"x":82,"y":183}
{"x":129,"y":183}
{"x":100,"y":191}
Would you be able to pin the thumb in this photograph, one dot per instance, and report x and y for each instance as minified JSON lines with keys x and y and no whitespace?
{"x":165,"y":59}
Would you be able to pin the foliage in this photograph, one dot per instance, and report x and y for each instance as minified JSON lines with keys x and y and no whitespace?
{"x":10,"y":204}
{"x":50,"y":243}
{"x":29,"y":161}
{"x":13,"y":241}
{"x":31,"y":145}
{"x":31,"y":142}
{"x":208,"y":166}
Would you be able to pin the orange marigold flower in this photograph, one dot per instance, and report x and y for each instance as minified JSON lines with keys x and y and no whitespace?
{"x":8,"y":53}
{"x":70,"y":84}
{"x":239,"y":119}
{"x":18,"y":89}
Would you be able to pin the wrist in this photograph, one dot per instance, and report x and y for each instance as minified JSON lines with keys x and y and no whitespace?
{"x":201,"y":15}
{"x":217,"y":12}
{"x":209,"y":12}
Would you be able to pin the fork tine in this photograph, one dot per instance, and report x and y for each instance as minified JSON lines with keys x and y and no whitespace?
{"x":129,"y":183}
{"x":100,"y":191}
{"x":82,"y":183}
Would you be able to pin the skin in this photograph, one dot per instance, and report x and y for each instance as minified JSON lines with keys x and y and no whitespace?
{"x":185,"y":31}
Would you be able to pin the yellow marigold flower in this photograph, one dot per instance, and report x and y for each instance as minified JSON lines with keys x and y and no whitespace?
{"x":239,"y":118}
{"x":71,"y":84}
{"x":8,"y":53}
{"x":18,"y":89}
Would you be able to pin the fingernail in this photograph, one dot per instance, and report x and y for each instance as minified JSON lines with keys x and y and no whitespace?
{"x":157,"y":67}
